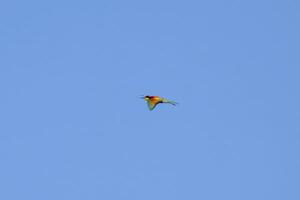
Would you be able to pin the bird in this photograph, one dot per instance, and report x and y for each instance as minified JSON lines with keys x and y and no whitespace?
{"x":152,"y":101}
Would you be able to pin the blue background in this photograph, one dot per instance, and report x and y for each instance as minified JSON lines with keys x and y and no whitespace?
{"x":73,"y":125}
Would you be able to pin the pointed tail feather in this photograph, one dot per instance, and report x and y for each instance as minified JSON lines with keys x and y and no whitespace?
{"x":170,"y":102}
{"x":173,"y":103}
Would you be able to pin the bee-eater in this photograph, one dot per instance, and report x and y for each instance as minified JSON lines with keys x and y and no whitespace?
{"x":152,"y":101}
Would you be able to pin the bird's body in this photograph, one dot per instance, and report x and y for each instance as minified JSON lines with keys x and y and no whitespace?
{"x":152,"y":101}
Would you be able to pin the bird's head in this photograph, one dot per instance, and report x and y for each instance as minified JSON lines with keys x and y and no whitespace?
{"x":145,"y":97}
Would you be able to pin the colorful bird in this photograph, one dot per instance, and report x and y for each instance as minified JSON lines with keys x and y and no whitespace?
{"x":152,"y":101}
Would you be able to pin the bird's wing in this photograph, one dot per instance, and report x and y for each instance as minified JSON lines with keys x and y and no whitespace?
{"x":151,"y":105}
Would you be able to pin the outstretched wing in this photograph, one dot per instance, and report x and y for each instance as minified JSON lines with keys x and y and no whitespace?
{"x":151,"y":105}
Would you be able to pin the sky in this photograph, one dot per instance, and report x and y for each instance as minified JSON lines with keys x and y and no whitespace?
{"x":73,"y":125}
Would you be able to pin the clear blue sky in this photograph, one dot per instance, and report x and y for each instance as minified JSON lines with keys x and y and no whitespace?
{"x":73,"y":126}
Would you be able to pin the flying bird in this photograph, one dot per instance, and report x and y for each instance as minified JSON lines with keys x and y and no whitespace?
{"x":152,"y":101}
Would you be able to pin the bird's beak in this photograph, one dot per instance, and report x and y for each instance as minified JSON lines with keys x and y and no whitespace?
{"x":142,"y":97}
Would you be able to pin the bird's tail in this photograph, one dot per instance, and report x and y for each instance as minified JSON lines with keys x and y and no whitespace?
{"x":170,"y":102}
